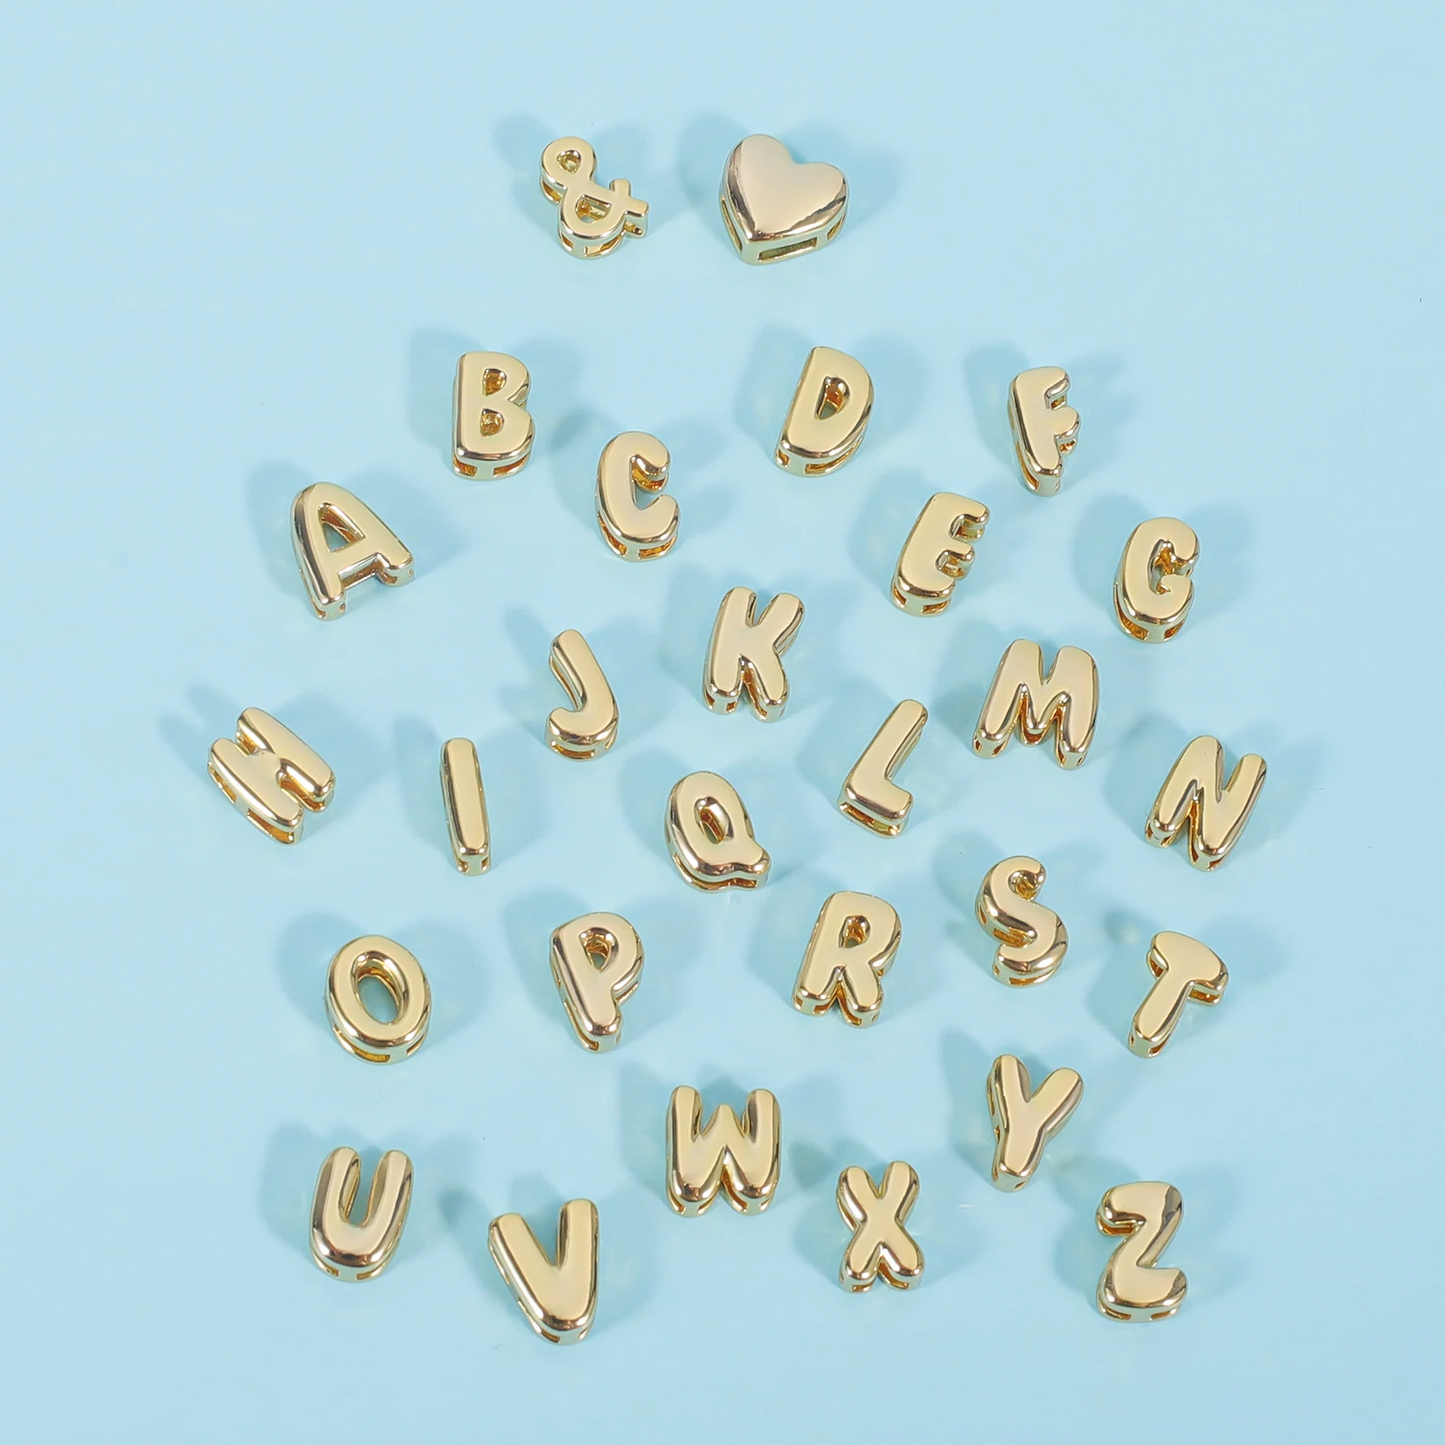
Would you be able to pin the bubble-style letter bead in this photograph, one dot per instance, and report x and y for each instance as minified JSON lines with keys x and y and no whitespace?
{"x":937,"y":553}
{"x":1134,"y":1285}
{"x":1152,"y":588}
{"x":270,"y":775}
{"x":1022,"y":697}
{"x":359,"y":1251}
{"x":369,"y":547}
{"x":1196,"y":800}
{"x":465,"y":804}
{"x":592,"y":219}
{"x":741,"y":1163}
{"x":558,"y":1298}
{"x":853,"y":945}
{"x":881,"y":1247}
{"x":1045,"y":429}
{"x":596,"y":965}
{"x":1184,"y":971}
{"x":633,"y":464}
{"x":1024,"y":1122}
{"x":492,"y":430}
{"x":357,"y":1029}
{"x":746,"y":656}
{"x":589,"y":727}
{"x":774,"y":208}
{"x":710,"y":835}
{"x":829,"y":414}
{"x":1032,"y":939}
{"x":870,"y":797}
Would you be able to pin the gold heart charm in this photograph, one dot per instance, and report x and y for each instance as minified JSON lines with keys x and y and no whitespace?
{"x":775,"y":208}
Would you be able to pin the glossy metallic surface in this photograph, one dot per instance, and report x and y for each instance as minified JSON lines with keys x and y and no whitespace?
{"x":1152,"y":588}
{"x":710,"y":835}
{"x":1195,"y":800}
{"x":1134,"y":1285}
{"x":1024,"y":1121}
{"x":870,"y":797}
{"x":853,"y":945}
{"x":745,"y":656}
{"x":881,"y":1248}
{"x":596,"y":965}
{"x":592,"y":219}
{"x":492,"y":430}
{"x":589,"y":727}
{"x":1032,"y":939}
{"x":357,"y":1029}
{"x":775,"y":208}
{"x":632,"y":467}
{"x":828,"y":416}
{"x":739,"y":1161}
{"x":465,"y":804}
{"x":1045,"y":430}
{"x":270,"y":775}
{"x":369,"y":547}
{"x":359,"y":1251}
{"x":558,"y":1296}
{"x":937,"y":553}
{"x":1022,"y":697}
{"x":1184,"y":971}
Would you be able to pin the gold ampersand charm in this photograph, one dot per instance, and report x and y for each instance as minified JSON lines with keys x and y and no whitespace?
{"x":592,"y":218}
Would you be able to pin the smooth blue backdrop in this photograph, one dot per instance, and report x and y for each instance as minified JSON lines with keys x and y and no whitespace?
{"x":242,"y":250}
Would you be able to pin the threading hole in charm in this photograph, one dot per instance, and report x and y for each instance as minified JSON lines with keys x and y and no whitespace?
{"x":776,"y":253}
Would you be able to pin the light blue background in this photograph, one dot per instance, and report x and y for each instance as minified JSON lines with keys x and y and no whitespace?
{"x":242,"y":253}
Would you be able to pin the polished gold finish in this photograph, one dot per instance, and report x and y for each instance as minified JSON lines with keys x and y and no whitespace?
{"x":357,"y":1029}
{"x":1032,"y":939}
{"x":1024,"y":1121}
{"x":1134,"y":1286}
{"x":1152,"y":588}
{"x":633,"y":464}
{"x":1184,"y":971}
{"x":740,"y":1163}
{"x":937,"y":553}
{"x":881,"y":1247}
{"x":1022,"y":697}
{"x":870,"y":796}
{"x":359,"y":1251}
{"x":853,"y":945}
{"x":596,"y":965}
{"x":746,"y":656}
{"x":773,"y":207}
{"x":1045,"y":429}
{"x":270,"y":775}
{"x":369,"y":547}
{"x":466,"y":806}
{"x":710,"y":835}
{"x":1196,"y":800}
{"x":589,"y":727}
{"x":592,"y":219}
{"x":828,"y":416}
{"x":492,"y":430}
{"x":559,"y":1299}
